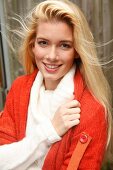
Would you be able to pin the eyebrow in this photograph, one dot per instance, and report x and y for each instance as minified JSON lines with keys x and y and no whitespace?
{"x":68,"y":41}
{"x":42,"y":38}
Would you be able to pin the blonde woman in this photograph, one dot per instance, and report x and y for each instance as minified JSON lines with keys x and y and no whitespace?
{"x":57,"y":116}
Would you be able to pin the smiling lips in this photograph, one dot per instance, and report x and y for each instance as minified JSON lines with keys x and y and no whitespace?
{"x":51,"y":68}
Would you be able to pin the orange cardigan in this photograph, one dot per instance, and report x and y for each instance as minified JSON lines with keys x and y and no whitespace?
{"x":92,"y":122}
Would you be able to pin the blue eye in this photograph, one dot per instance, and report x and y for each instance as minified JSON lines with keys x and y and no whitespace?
{"x":42,"y":43}
{"x":65,"y":46}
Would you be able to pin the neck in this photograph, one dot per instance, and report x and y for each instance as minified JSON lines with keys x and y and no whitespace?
{"x":51,"y":85}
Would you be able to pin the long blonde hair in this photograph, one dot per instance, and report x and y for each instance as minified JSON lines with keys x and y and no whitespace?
{"x":70,"y":13}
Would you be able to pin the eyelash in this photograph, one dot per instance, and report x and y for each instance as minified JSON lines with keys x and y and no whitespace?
{"x":42,"y":43}
{"x":66,"y":46}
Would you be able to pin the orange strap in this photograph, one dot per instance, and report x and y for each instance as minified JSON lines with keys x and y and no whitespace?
{"x":78,"y":153}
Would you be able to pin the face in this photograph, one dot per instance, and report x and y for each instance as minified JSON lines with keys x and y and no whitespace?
{"x":54,"y":51}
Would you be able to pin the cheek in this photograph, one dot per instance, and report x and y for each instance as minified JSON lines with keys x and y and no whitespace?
{"x":38,"y":54}
{"x":70,"y":59}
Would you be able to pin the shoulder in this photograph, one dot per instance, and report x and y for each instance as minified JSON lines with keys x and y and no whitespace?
{"x":24,"y":81}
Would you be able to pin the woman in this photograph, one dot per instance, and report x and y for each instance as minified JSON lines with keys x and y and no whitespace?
{"x":43,"y":126}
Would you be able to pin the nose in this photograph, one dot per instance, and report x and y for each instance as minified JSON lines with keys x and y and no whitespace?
{"x":52,"y":55}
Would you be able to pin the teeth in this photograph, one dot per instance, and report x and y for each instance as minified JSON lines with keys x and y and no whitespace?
{"x":51,"y":66}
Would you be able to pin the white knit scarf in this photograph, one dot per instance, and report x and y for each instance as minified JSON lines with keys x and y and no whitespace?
{"x":61,"y":94}
{"x":41,"y":111}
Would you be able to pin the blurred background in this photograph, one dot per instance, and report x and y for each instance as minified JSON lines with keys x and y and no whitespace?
{"x":99,"y":14}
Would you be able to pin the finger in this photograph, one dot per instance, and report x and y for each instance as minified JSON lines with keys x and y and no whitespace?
{"x":76,"y":110}
{"x":70,"y":99}
{"x":73,"y":117}
{"x":74,"y":122}
{"x":73,"y":103}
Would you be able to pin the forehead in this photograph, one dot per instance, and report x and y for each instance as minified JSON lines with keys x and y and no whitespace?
{"x":55,"y":29}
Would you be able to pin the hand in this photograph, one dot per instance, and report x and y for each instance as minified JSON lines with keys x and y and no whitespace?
{"x":66,"y":117}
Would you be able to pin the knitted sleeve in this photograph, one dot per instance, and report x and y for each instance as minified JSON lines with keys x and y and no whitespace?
{"x":20,"y":154}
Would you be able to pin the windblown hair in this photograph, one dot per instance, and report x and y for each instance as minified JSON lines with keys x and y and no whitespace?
{"x":65,"y":11}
